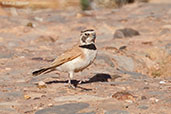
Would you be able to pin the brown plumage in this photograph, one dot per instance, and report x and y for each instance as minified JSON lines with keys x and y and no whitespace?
{"x":77,"y":58}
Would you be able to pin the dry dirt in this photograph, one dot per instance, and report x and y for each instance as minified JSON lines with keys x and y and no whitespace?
{"x":130,"y":75}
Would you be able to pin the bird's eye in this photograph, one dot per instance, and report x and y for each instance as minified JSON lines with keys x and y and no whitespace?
{"x":87,"y":34}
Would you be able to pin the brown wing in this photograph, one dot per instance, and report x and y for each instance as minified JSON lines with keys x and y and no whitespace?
{"x":67,"y":56}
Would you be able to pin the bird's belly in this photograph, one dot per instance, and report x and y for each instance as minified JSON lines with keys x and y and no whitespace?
{"x":77,"y":64}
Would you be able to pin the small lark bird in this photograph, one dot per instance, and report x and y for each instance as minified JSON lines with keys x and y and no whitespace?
{"x":77,"y":58}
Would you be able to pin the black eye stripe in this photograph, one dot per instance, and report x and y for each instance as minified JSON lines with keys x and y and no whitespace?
{"x":83,"y":38}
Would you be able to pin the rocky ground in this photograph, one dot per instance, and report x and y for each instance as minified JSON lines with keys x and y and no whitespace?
{"x":131,"y":75}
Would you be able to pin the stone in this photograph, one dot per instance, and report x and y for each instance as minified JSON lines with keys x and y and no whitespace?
{"x":117,"y":112}
{"x":43,"y":39}
{"x":71,"y":108}
{"x":26,"y":97}
{"x":11,"y":95}
{"x":135,"y":75}
{"x":118,"y":83}
{"x":140,"y":0}
{"x":15,"y":94}
{"x":79,"y":98}
{"x":126,"y":32}
{"x":168,"y":48}
{"x":5,"y":53}
{"x":124,"y":62}
{"x":154,"y":100}
{"x":41,"y":84}
{"x":30,"y":24}
{"x":162,"y":82}
{"x":9,"y":103}
{"x":88,"y":113}
{"x":6,"y":107}
{"x":144,"y":107}
{"x":167,"y":100}
{"x":13,"y":12}
{"x":123,"y":96}
{"x":7,"y":110}
{"x":38,"y":19}
{"x":143,"y":97}
{"x":156,"y":93}
{"x":165,"y":31}
{"x":105,"y":58}
{"x":56,"y":18}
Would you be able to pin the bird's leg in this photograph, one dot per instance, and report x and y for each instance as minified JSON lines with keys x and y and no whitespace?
{"x":71,"y":74}
{"x":80,"y":81}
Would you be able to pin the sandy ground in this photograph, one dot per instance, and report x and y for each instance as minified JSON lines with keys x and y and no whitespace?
{"x":131,"y":75}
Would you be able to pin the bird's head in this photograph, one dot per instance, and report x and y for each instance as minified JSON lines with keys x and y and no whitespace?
{"x":87,"y":37}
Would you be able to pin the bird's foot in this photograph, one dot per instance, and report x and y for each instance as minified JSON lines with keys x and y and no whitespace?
{"x":71,"y":86}
{"x":80,"y":82}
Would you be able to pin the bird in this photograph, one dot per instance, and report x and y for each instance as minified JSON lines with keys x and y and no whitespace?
{"x":76,"y":59}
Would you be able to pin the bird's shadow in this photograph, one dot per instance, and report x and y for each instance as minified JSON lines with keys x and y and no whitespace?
{"x":100,"y":77}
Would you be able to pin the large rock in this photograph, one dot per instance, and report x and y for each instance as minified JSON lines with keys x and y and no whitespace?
{"x":124,"y":62}
{"x":71,"y":108}
{"x":102,"y":57}
{"x":126,"y":32}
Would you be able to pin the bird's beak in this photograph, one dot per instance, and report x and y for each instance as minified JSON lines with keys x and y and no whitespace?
{"x":94,"y":37}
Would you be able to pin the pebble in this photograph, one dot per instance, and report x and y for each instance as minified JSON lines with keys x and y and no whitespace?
{"x":8,"y":68}
{"x":123,"y":95}
{"x":162,"y":82}
{"x":129,"y":101}
{"x":144,"y":107}
{"x":27,"y":97}
{"x":38,"y":19}
{"x":154,"y":100}
{"x":41,"y":84}
{"x":50,"y":105}
{"x":12,"y":44}
{"x":143,"y":97}
{"x":30,"y":24}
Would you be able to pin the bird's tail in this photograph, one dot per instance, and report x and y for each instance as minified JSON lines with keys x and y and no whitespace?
{"x":38,"y":72}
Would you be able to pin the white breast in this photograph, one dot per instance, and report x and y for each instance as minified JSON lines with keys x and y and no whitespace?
{"x":78,"y":64}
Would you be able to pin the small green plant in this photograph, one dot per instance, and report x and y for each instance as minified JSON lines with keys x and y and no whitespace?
{"x":85,"y":4}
